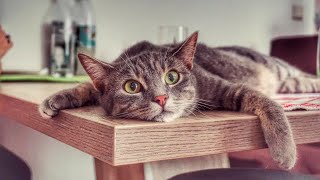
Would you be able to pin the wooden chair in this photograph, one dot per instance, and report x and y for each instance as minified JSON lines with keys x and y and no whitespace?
{"x":300,"y":51}
{"x":242,"y":174}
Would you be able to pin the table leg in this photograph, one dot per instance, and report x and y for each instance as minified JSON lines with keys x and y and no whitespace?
{"x":105,"y":171}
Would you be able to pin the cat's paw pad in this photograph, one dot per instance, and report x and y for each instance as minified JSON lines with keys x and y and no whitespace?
{"x":51,"y":106}
{"x":46,"y":111}
{"x":285,"y":155}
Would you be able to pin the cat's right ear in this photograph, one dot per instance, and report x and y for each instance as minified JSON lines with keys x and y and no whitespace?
{"x":187,"y":49}
{"x":97,"y":70}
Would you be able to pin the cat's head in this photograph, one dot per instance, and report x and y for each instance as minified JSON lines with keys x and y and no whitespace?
{"x":152,"y":85}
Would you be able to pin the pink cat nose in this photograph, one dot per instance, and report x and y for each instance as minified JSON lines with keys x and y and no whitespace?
{"x":161,"y":100}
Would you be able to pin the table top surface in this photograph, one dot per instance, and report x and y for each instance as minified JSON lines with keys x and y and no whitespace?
{"x":121,"y":142}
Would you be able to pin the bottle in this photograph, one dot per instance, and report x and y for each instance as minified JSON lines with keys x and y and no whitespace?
{"x":58,"y":41}
{"x":85,"y":30}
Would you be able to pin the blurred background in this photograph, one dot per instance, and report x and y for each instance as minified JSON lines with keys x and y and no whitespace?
{"x":119,"y":24}
{"x":251,"y":23}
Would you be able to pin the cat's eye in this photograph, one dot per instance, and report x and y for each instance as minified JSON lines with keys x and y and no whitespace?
{"x":132,"y":87}
{"x":172,"y":77}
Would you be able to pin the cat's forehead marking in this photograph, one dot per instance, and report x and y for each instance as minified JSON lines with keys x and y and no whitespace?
{"x":148,"y":63}
{"x":149,"y":70}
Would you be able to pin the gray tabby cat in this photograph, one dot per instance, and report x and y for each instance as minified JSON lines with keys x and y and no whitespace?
{"x":163,"y":83}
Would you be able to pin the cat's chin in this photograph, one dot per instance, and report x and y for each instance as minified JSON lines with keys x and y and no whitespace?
{"x":166,"y":117}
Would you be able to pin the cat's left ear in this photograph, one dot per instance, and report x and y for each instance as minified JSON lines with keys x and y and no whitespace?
{"x":97,"y":70}
{"x":186,"y":50}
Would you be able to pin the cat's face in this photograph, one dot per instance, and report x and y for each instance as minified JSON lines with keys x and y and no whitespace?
{"x":149,"y":87}
{"x":157,"y":86}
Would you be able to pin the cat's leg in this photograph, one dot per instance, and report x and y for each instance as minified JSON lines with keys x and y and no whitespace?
{"x":274,"y":123}
{"x":83,"y":94}
{"x":300,"y":85}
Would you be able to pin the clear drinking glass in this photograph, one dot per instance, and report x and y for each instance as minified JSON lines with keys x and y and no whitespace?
{"x":172,"y":34}
{"x":85,"y":30}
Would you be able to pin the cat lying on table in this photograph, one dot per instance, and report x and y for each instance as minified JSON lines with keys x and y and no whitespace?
{"x":162,"y":83}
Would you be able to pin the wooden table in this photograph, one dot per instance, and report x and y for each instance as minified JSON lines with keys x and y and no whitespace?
{"x":136,"y":149}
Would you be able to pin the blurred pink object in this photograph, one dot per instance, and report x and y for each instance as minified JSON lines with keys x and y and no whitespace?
{"x":300,"y":51}
{"x":5,"y":44}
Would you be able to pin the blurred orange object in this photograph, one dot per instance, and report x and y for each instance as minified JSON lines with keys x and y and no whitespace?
{"x":5,"y":44}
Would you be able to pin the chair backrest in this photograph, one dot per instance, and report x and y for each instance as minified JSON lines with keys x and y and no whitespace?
{"x":242,"y":173}
{"x":12,"y":167}
{"x":300,"y":51}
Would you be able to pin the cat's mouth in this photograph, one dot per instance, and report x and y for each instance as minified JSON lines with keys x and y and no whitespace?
{"x":164,"y":111}
{"x":163,"y":116}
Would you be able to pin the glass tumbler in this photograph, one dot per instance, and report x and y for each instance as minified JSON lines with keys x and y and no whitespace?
{"x":172,"y":34}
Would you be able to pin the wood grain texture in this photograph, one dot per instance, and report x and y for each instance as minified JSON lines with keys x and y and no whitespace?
{"x":88,"y":136}
{"x":122,"y":142}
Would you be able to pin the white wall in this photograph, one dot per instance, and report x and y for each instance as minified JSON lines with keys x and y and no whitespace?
{"x":1,"y":10}
{"x":119,"y":23}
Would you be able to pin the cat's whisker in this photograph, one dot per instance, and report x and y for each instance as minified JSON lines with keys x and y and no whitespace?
{"x":165,"y":56}
{"x":126,"y":62}
{"x":205,"y":105}
{"x":195,"y":116}
{"x":125,"y":53}
{"x":188,"y":104}
{"x":140,"y":110}
{"x":190,"y":111}
{"x":133,"y":113}
{"x":197,"y":110}
{"x":128,"y":58}
{"x":202,"y":100}
{"x":124,"y":113}
{"x":197,"y":103}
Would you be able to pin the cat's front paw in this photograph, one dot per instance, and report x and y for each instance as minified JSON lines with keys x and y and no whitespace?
{"x":50,"y":107}
{"x":285,"y":153}
{"x":278,"y":135}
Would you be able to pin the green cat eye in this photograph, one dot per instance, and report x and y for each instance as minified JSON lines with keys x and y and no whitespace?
{"x":132,"y":87}
{"x":172,"y":77}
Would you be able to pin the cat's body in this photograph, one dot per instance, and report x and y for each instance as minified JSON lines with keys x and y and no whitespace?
{"x":167,"y":82}
{"x":241,"y":65}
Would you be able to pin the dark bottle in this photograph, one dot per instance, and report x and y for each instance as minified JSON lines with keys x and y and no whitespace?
{"x":85,"y":30}
{"x":58,"y":41}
